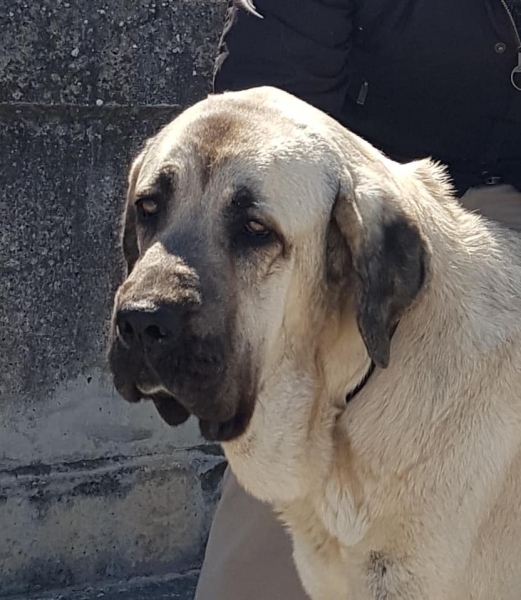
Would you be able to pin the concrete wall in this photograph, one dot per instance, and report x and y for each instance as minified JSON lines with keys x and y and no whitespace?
{"x":91,"y":489}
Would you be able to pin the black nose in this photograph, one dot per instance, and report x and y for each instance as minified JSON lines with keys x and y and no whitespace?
{"x":148,"y":324}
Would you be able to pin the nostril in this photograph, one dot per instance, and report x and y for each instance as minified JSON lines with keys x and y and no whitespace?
{"x":125,"y":331}
{"x":155,"y":332}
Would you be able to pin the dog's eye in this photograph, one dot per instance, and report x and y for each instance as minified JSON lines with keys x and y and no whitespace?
{"x":147,"y":208}
{"x":256,"y":229}
{"x":255,"y":234}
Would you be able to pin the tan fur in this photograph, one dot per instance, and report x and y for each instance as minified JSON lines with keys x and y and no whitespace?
{"x":412,"y":490}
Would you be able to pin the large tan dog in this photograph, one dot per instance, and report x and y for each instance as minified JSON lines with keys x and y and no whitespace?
{"x":350,"y":334}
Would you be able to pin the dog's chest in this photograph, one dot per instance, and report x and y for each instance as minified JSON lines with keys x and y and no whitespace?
{"x":332,"y":551}
{"x":327,"y":566}
{"x":318,"y":556}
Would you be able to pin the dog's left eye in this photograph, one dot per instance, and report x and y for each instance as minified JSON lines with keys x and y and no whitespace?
{"x":256,"y":229}
{"x":254,"y":233}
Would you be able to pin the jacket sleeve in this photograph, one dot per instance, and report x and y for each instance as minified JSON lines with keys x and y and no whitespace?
{"x":300,"y":46}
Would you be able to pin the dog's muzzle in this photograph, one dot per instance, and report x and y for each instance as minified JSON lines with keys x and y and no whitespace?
{"x":156,"y":354}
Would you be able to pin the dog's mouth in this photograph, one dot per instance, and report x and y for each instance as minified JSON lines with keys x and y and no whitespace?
{"x":222,"y":407}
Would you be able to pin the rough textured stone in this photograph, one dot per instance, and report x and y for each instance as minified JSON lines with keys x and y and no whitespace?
{"x":77,"y":523}
{"x":142,"y":52}
{"x":62,"y":186}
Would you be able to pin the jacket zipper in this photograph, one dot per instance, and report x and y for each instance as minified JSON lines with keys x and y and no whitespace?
{"x":516,"y":71}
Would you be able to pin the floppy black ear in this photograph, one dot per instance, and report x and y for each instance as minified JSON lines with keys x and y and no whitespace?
{"x":388,"y":256}
{"x":129,"y":234}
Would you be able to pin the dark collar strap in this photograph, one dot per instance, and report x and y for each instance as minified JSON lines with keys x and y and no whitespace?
{"x":361,"y":385}
{"x":354,"y":392}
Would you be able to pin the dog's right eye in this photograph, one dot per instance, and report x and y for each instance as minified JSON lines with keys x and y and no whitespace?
{"x":147,"y":208}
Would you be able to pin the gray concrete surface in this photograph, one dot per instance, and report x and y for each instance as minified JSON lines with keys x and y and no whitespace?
{"x":92,"y":490}
{"x":150,"y":588}
{"x":106,"y":520}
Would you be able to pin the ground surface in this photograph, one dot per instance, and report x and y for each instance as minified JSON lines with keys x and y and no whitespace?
{"x":173,"y":588}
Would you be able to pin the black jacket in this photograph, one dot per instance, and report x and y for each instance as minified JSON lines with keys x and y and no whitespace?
{"x":414,"y":77}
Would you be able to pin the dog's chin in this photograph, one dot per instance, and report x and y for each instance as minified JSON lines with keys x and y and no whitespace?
{"x":224,"y":431}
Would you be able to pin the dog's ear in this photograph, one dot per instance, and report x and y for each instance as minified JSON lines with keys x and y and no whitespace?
{"x":388,"y":257}
{"x":129,"y":234}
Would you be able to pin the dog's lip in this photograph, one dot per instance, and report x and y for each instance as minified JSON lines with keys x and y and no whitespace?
{"x":170,"y":410}
{"x":128,"y":390}
{"x":175,"y":413}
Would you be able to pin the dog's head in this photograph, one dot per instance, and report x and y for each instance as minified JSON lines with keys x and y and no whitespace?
{"x":260,"y":237}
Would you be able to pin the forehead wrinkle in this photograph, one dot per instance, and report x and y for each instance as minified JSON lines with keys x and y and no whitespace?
{"x":218,"y":137}
{"x":198,"y":203}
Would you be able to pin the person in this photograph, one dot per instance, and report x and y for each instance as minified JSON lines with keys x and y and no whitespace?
{"x":416,"y":78}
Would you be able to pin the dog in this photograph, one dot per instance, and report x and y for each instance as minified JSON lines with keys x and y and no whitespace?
{"x":347,"y":331}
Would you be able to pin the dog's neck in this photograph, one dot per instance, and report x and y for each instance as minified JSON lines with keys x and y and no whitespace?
{"x":276,"y":459}
{"x":290,"y":443}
